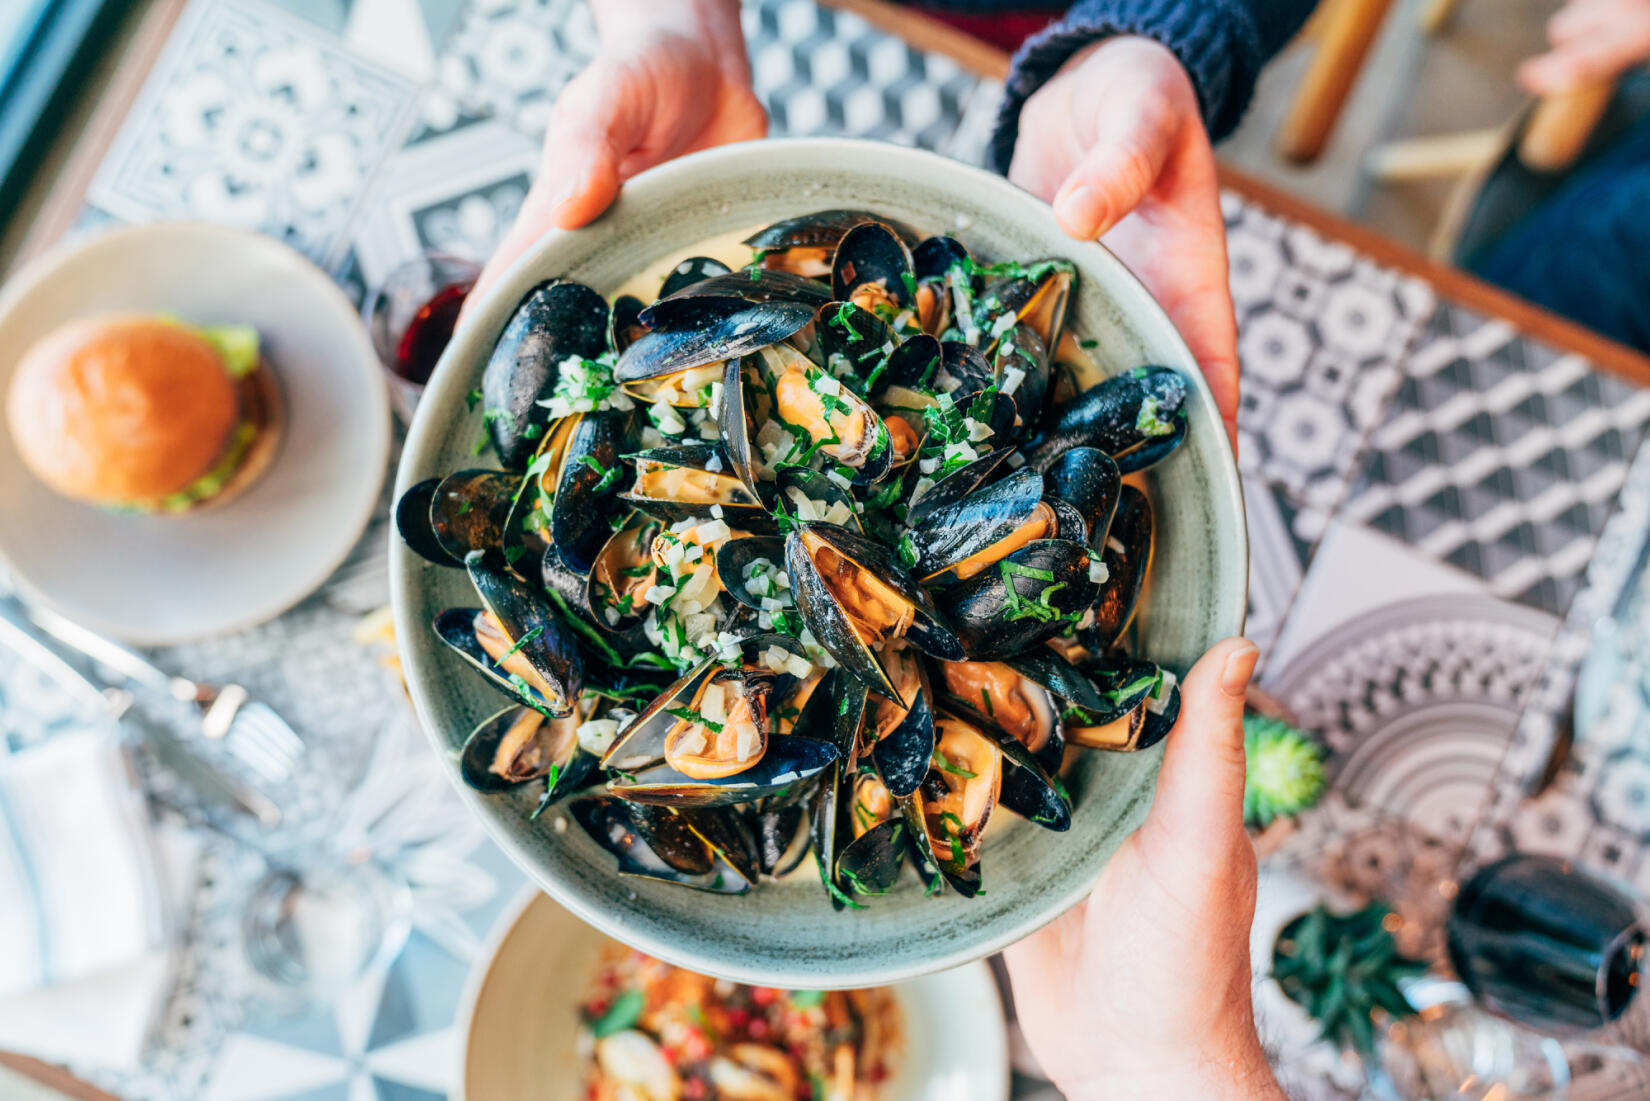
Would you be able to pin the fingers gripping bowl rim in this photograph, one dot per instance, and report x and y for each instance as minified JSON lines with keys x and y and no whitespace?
{"x":787,"y":934}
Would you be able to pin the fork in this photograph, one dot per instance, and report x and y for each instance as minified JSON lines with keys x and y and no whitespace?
{"x":250,"y":731}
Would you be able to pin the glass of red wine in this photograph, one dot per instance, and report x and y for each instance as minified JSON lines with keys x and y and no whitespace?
{"x":1541,"y":942}
{"x":411,"y":316}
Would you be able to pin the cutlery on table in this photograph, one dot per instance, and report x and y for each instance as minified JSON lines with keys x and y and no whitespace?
{"x":115,"y":704}
{"x":249,"y":730}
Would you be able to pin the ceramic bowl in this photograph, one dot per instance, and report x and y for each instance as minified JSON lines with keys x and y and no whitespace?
{"x":519,"y":1021}
{"x":161,"y":580}
{"x":787,"y":934}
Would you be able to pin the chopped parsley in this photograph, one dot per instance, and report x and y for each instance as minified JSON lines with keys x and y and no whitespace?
{"x":955,"y":769}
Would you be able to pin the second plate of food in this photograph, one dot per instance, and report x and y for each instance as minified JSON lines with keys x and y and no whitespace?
{"x":797,"y":581}
{"x":558,"y":1012}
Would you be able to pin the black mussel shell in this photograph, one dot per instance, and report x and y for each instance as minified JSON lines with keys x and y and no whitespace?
{"x":734,"y":558}
{"x":739,"y":507}
{"x":541,"y":747}
{"x":625,"y":324}
{"x":956,"y":485}
{"x":780,"y":831}
{"x":870,"y":863}
{"x":1048,"y":670}
{"x":1029,"y":789}
{"x":914,"y":364}
{"x":412,"y":521}
{"x":934,"y":256}
{"x":456,"y":628}
{"x":735,"y":422}
{"x":690,"y":272}
{"x":820,"y":229}
{"x":789,"y":760}
{"x":859,"y":337}
{"x":554,"y":321}
{"x":968,"y":366}
{"x":832,"y":626}
{"x":1127,"y":555}
{"x":815,"y":485}
{"x":728,"y":835}
{"x":901,"y":757}
{"x":1158,"y":722}
{"x":1135,"y":417}
{"x":722,"y":295}
{"x":1087,"y":478}
{"x":641,"y":744}
{"x":618,"y":827}
{"x":1022,"y":351}
{"x":1126,"y":687}
{"x":1005,"y":611}
{"x":954,"y":533}
{"x":1041,"y":298}
{"x":592,"y":476}
{"x":872,"y":253}
{"x":705,"y":333}
{"x":541,"y":637}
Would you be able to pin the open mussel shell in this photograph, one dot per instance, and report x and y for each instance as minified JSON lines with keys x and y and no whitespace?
{"x":854,"y":597}
{"x":625,"y":322}
{"x":1136,"y":417}
{"x":955,"y":486}
{"x":807,"y":244}
{"x":841,"y":425}
{"x":871,"y":267}
{"x":813,"y":496}
{"x":707,"y":330}
{"x":787,"y":761}
{"x":965,"y":365}
{"x":900,"y":736}
{"x":957,"y":541}
{"x":1141,"y":701}
{"x":954,"y":802}
{"x":1089,"y":480}
{"x":1001,"y":694}
{"x":1127,"y":557}
{"x":517,"y":642}
{"x":519,"y":745}
{"x":471,"y":511}
{"x":1022,"y":369}
{"x":682,"y":482}
{"x":870,"y":864}
{"x":1031,"y":596}
{"x":739,"y":564}
{"x":556,"y":320}
{"x":631,"y":832}
{"x":854,"y":342}
{"x":614,"y":589}
{"x":721,"y":296}
{"x":933,"y":257}
{"x":412,"y":521}
{"x":1029,"y":787}
{"x":691,"y":272}
{"x":1040,"y":297}
{"x":734,"y":418}
{"x":914,"y":364}
{"x":591,"y":477}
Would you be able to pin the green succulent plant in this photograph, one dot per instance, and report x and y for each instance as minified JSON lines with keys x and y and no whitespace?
{"x":1341,"y":969}
{"x":1284,"y":773}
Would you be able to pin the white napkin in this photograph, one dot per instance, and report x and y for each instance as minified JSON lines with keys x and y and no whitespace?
{"x":79,"y":888}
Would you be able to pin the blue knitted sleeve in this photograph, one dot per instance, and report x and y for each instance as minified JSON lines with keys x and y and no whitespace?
{"x":1222,"y":43}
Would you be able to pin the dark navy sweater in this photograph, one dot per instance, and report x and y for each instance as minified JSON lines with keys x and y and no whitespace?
{"x":1222,"y":43}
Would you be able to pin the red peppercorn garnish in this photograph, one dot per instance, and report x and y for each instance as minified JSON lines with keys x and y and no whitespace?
{"x":758,"y":1028}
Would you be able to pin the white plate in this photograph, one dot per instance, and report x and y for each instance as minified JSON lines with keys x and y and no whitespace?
{"x":519,"y":1018}
{"x":158,"y":580}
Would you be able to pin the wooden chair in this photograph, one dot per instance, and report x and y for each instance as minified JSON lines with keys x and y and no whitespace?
{"x":1344,"y":31}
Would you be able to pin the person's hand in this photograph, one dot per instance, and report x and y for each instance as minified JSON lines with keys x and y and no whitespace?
{"x":1593,"y":41}
{"x":671,"y":78}
{"x":1143,"y":991}
{"x":1115,"y":142}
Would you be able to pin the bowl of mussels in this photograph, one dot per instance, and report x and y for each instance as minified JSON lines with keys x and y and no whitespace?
{"x":795,"y":565}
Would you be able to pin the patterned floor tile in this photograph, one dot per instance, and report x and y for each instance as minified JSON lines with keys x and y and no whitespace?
{"x":1502,"y":457}
{"x":1282,"y":536}
{"x":1323,"y":332}
{"x":256,"y":119}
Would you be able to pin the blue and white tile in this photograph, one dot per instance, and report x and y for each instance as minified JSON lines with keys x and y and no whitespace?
{"x":254,"y":118}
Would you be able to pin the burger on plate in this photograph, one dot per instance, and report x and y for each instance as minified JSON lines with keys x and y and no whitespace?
{"x":145,"y":414}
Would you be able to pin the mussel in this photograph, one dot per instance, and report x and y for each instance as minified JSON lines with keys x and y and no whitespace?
{"x":656,"y":843}
{"x":1125,"y":560}
{"x":1137,"y":417}
{"x":517,"y":642}
{"x":519,"y":745}
{"x":689,"y":481}
{"x":555,"y":321}
{"x":855,"y":598}
{"x":806,"y":245}
{"x":1028,"y":597}
{"x":956,"y":798}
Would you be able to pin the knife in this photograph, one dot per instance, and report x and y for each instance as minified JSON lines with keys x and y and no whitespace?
{"x":205,"y":779}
